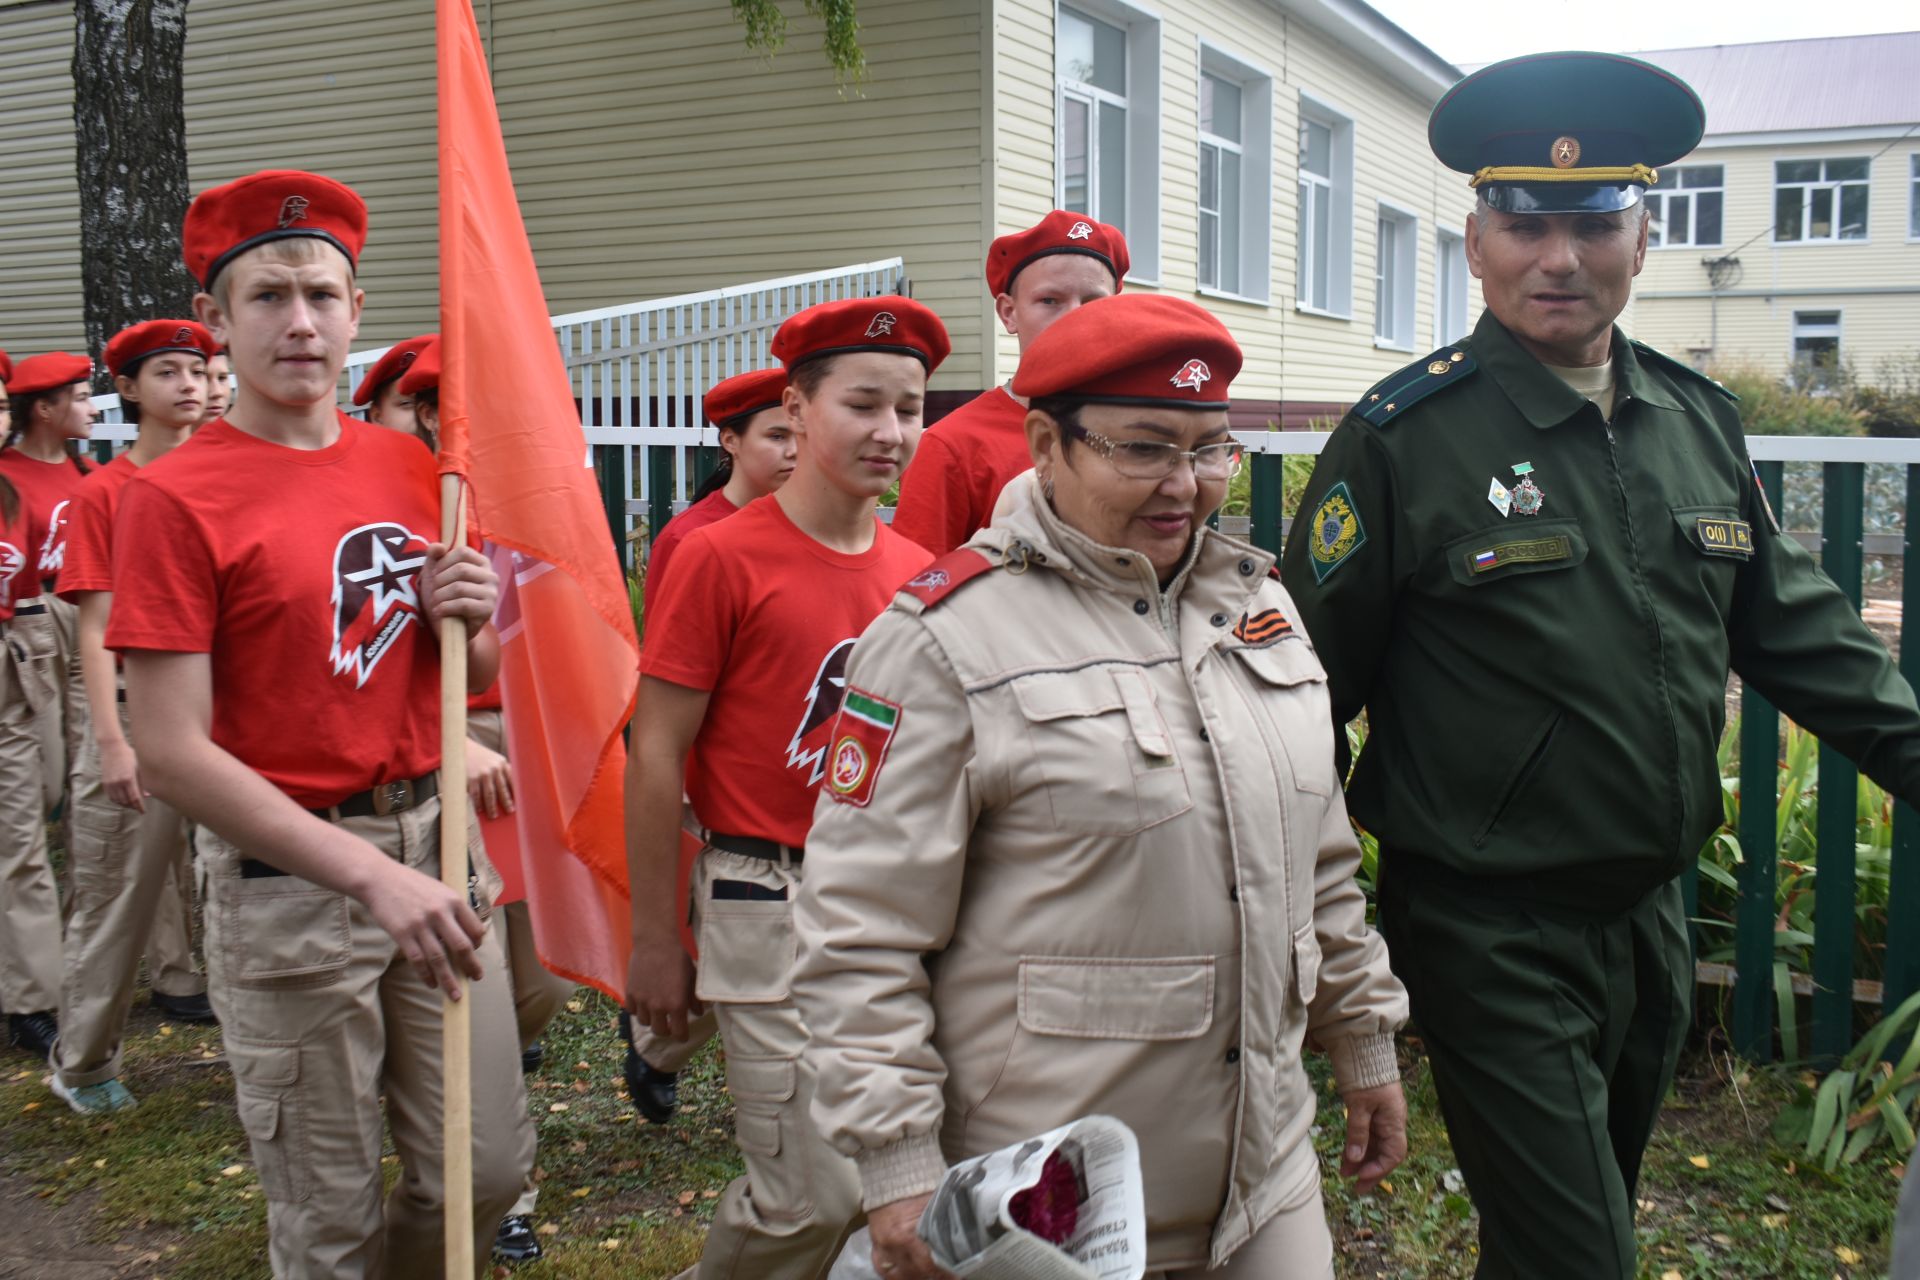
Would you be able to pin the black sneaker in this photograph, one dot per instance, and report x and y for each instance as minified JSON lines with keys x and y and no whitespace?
{"x":515,"y":1241}
{"x":195,"y":1008}
{"x":33,"y":1032}
{"x":530,"y":1059}
{"x":655,"y":1093}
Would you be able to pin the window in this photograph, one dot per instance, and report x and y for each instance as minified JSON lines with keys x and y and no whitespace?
{"x":1816,"y":348}
{"x":1107,"y":67}
{"x":1396,"y":268}
{"x":1913,"y":198}
{"x":1819,"y":200}
{"x":1221,"y":160}
{"x":1324,"y":235}
{"x":1687,"y":210}
{"x":1236,"y":175}
{"x":1449,"y":288}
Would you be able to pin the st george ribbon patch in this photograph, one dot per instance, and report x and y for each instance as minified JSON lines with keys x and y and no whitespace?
{"x":1259,"y":630}
{"x":861,"y":737}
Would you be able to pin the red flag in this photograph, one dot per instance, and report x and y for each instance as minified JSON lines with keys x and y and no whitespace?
{"x":569,"y":658}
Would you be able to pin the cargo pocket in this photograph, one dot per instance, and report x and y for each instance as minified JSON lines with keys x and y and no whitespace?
{"x":266,"y":1075}
{"x":1306,"y":963}
{"x":764,"y":1089}
{"x":1102,"y":750}
{"x":746,"y":951}
{"x":282,"y":931}
{"x":1300,"y":720}
{"x":103,"y":835}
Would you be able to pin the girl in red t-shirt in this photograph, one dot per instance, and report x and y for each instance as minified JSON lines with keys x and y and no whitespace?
{"x":759,"y":449}
{"x":741,"y":677}
{"x":52,"y":411}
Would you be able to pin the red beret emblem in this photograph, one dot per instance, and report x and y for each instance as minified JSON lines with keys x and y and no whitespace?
{"x":183,"y":335}
{"x":293,"y":209}
{"x":882,"y":326}
{"x":1193,"y":374}
{"x":1080,"y":231}
{"x":406,"y":362}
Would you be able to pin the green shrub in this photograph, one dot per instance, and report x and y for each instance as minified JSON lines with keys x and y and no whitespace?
{"x":1770,"y":407}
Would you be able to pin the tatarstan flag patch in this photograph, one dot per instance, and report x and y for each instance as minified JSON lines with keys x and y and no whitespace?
{"x":861,"y":736}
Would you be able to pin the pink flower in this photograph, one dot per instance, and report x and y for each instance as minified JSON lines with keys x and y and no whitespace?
{"x":1050,"y":1208}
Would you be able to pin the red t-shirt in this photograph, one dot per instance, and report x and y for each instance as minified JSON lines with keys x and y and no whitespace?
{"x":45,"y":488}
{"x":715,"y":506}
{"x":13,"y":561}
{"x":296,"y":572}
{"x":956,"y":475}
{"x":88,"y":565}
{"x":764,"y":616}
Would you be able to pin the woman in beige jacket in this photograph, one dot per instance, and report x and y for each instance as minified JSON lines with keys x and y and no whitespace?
{"x":1082,"y":848}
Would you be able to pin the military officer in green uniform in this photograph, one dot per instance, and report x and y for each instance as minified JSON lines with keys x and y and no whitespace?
{"x":1533,"y":557}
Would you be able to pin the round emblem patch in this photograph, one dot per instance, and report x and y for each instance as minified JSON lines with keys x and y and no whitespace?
{"x":850,"y":764}
{"x":1566,"y":152}
{"x":1527,"y":498}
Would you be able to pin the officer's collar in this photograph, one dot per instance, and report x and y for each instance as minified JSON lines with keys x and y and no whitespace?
{"x":1542,"y":396}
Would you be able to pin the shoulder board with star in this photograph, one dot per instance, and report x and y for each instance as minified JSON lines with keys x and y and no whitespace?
{"x":1395,"y":394}
{"x":947,"y":575}
{"x":1667,"y":364}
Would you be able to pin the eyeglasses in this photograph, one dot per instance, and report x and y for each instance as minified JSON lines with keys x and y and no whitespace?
{"x":1156,"y":459}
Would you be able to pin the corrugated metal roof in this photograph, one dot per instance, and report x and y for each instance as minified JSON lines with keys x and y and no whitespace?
{"x":1841,"y":82}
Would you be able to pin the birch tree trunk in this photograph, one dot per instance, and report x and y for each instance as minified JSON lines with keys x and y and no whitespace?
{"x":130,"y":140}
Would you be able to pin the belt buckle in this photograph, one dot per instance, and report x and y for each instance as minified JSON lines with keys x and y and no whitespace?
{"x":392,"y":797}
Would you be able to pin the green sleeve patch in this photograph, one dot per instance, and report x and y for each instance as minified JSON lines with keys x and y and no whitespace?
{"x":1336,"y":532}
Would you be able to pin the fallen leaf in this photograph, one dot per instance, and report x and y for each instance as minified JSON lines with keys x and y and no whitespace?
{"x":1778,"y":1203}
{"x":548,"y":1229}
{"x":582,"y":1066}
{"x":1671,"y":1275}
{"x":99,"y":1164}
{"x":233,"y":1171}
{"x":709,"y":1194}
{"x":558,"y":1107}
{"x":1774,"y":1221}
{"x":1846,"y":1255}
{"x":686,"y":1197}
{"x":1724,"y":1241}
{"x":31,"y":1106}
{"x":1699,"y":1162}
{"x":574,"y":1006}
{"x":610,"y":1244}
{"x":1386,"y":1188}
{"x":581,"y":1193}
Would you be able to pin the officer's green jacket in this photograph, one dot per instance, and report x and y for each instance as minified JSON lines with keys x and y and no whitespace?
{"x":1545,"y":692}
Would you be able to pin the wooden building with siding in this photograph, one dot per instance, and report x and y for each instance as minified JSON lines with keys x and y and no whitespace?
{"x":655,"y":156}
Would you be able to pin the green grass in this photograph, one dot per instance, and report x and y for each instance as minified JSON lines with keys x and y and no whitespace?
{"x":620,"y":1197}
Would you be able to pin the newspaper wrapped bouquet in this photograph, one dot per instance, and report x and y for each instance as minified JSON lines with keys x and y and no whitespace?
{"x":1067,"y":1205}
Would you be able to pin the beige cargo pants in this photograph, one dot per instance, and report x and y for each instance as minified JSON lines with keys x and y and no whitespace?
{"x":799,"y":1200}
{"x":1294,"y":1244}
{"x":120,"y":862}
{"x":672,"y":1056}
{"x":171,"y":968}
{"x":323,"y":1017}
{"x":29,"y":897}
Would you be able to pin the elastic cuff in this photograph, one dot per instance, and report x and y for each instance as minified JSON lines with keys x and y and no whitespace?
{"x":912,"y":1166}
{"x":1364,"y":1062}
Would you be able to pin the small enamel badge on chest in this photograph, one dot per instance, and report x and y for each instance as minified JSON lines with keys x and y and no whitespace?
{"x":1500,"y":496}
{"x":1526,"y":495}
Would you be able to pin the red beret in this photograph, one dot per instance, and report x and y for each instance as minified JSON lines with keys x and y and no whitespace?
{"x":423,"y":371}
{"x":887,"y":323}
{"x":398,"y":359}
{"x":744,"y":393}
{"x":1059,"y":232}
{"x":135,"y":343}
{"x":1139,"y":348}
{"x":6,"y":367}
{"x":277,"y":204}
{"x":44,"y":373}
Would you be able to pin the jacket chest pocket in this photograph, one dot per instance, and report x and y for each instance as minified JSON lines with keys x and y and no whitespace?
{"x":1289,"y":690}
{"x":1102,"y":750}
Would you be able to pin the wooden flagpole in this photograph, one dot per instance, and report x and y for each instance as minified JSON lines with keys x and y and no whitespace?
{"x":456,"y":1037}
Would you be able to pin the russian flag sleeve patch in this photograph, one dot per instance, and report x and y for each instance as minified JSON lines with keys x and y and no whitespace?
{"x":861,"y":736}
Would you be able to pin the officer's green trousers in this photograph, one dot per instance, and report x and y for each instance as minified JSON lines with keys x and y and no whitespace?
{"x":1553,"y":1037}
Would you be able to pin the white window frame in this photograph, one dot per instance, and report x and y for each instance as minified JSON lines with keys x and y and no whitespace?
{"x":1666,"y":199}
{"x":1141,"y":219}
{"x":1913,"y":196}
{"x":1795,"y":332}
{"x":1256,"y":172}
{"x":1340,"y":231}
{"x":1450,"y":320}
{"x":1396,"y":278}
{"x":1806,"y":199}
